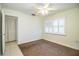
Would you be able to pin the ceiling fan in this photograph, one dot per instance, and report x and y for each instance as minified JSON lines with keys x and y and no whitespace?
{"x":44,"y":10}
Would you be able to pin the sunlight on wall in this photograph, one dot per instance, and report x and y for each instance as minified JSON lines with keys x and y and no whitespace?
{"x":71,"y":38}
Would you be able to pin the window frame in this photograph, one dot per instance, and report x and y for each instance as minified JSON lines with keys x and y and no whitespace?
{"x":58,"y":33}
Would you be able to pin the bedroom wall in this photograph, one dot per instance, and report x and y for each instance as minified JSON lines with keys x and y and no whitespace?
{"x":29,"y":27}
{"x":71,"y":39}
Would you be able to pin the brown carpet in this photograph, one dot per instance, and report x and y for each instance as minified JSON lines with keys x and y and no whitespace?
{"x":46,"y":48}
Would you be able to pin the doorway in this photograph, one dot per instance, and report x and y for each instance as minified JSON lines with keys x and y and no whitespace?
{"x":11,"y":28}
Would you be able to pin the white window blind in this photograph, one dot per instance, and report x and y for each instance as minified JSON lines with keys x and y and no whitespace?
{"x":55,"y":26}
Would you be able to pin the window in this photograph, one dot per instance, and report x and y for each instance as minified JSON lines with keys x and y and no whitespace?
{"x":55,"y":26}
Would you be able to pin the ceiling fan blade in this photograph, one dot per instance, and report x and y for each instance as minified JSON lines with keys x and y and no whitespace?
{"x":39,"y":12}
{"x":51,"y":8}
{"x":37,"y":7}
{"x":46,"y":5}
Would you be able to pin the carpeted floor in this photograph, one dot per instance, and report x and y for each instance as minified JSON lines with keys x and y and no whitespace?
{"x":46,"y":48}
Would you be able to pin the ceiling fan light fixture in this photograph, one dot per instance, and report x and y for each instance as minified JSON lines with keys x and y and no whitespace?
{"x":44,"y":12}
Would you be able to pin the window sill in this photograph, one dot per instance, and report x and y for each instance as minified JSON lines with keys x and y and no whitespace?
{"x":56,"y":34}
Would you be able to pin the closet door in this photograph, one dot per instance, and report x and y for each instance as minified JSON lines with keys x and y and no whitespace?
{"x":10,"y":28}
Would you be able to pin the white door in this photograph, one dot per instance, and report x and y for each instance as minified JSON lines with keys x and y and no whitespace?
{"x":10,"y":28}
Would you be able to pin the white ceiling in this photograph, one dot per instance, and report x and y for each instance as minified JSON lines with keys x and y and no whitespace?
{"x":30,"y":7}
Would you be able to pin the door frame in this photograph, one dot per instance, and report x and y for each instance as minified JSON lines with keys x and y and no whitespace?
{"x":15,"y":29}
{"x":1,"y":46}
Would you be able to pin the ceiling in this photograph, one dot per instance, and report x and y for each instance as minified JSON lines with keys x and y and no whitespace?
{"x":30,"y":7}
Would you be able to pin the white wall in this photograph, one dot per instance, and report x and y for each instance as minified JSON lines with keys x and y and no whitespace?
{"x":29,"y":27}
{"x":71,"y":38}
